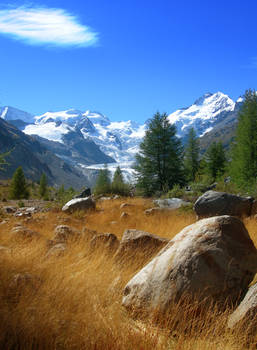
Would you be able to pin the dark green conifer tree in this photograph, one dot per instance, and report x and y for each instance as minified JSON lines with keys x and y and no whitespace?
{"x":103,"y":182}
{"x":43,"y":186}
{"x":18,"y":189}
{"x":244,"y":151}
{"x":159,"y":164}
{"x":191,"y":158}
{"x":215,"y":160}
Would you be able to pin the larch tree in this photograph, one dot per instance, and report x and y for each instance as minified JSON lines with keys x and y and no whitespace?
{"x":244,"y":151}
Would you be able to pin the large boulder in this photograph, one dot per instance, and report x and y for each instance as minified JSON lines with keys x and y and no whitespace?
{"x":212,"y":260}
{"x":79,"y":204}
{"x":139,"y":243}
{"x":170,"y":203}
{"x":213,"y":203}
{"x":246,"y":313}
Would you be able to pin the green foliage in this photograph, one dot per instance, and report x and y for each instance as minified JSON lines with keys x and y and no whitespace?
{"x":103,"y":182}
{"x":64,"y":195}
{"x":19,"y":188}
{"x":175,"y":192}
{"x":186,"y":209}
{"x":43,"y":186}
{"x":118,"y":185}
{"x":21,"y":204}
{"x":159,"y":161}
{"x":214,"y":161}
{"x":191,"y":158}
{"x":244,"y":151}
{"x":117,"y":177}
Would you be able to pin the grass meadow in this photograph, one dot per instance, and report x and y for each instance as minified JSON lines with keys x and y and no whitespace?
{"x":74,"y":302}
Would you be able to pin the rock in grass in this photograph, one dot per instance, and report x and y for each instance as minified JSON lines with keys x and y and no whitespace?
{"x":213,"y":260}
{"x":65,"y":233}
{"x":24,"y":232}
{"x":171,"y":203}
{"x":213,"y":203}
{"x":135,"y":242}
{"x":57,"y":250}
{"x":83,"y":204}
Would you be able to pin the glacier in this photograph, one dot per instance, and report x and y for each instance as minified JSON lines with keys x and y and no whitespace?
{"x":121,"y":140}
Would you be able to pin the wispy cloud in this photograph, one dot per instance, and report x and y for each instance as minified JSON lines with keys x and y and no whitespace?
{"x":45,"y":26}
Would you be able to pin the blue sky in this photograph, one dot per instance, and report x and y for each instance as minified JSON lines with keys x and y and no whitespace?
{"x":124,"y":58}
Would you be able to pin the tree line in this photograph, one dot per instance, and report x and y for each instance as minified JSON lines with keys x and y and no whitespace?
{"x":163,"y":162}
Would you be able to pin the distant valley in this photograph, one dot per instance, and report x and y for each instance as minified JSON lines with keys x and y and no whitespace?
{"x":84,"y":141}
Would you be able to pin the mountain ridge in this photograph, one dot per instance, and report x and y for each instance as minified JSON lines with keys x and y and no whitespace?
{"x":90,"y":138}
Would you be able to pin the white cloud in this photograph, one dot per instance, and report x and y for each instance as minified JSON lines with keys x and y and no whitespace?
{"x":45,"y":26}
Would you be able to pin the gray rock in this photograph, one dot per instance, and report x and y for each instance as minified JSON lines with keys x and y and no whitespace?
{"x":84,"y":194}
{"x":10,"y":210}
{"x":24,"y":232}
{"x":213,"y":260}
{"x":124,"y":215}
{"x":170,"y":203}
{"x":213,"y":203}
{"x":153,"y":211}
{"x":136,"y":241}
{"x":246,"y":313}
{"x":106,"y":241}
{"x":79,"y":204}
{"x":125,"y":205}
{"x":105,"y":198}
{"x":116,"y":197}
{"x":64,"y":233}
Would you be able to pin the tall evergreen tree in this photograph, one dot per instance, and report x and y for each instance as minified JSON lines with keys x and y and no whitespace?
{"x":244,"y":150}
{"x":43,"y":186}
{"x":159,"y":161}
{"x":215,"y":160}
{"x":118,"y":177}
{"x":103,"y":182}
{"x":118,"y":185}
{"x":191,"y":158}
{"x":19,"y":188}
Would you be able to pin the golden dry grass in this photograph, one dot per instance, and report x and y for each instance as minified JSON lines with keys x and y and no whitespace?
{"x":75,"y":302}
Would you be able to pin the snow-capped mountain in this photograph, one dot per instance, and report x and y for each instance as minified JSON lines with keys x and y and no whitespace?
{"x":90,"y":139}
{"x":118,"y":140}
{"x":11,"y":114}
{"x":203,"y":114}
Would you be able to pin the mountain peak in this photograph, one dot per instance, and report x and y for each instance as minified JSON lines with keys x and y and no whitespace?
{"x":10,"y":113}
{"x":203,"y":114}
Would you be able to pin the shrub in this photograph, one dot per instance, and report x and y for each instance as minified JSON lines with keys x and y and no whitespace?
{"x":176,"y":192}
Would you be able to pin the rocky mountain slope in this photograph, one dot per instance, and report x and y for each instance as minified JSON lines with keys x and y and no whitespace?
{"x":89,"y":139}
{"x":36,"y":159}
